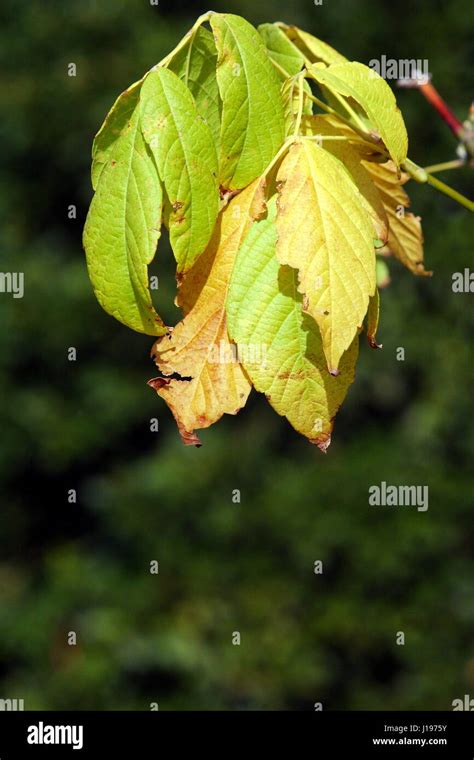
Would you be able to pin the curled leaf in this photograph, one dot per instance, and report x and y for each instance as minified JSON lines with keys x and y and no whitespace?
{"x":405,"y":237}
{"x":122,"y":230}
{"x":207,"y":378}
{"x":373,"y":314}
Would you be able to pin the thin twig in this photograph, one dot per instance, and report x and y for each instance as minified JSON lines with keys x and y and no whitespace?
{"x":450,"y":192}
{"x":457,"y":163}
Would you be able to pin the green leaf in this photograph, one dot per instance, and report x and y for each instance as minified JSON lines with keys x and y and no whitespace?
{"x":196,"y":65}
{"x":122,"y":231}
{"x":253,"y":121}
{"x":326,"y":233}
{"x":288,"y":61}
{"x":382,"y":273}
{"x":187,"y":162}
{"x":288,"y":58}
{"x":374,"y":96}
{"x":279,"y":345}
{"x":311,"y":47}
{"x":116,"y":122}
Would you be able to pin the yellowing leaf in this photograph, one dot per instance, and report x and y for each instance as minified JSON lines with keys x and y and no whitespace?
{"x":280,"y":345}
{"x":313,"y":49}
{"x":373,"y":315}
{"x":122,"y":230}
{"x":348,"y":156}
{"x":365,"y":147}
{"x":273,"y":293}
{"x":364,"y":86}
{"x":211,"y":381}
{"x":325,"y":232}
{"x":253,"y":122}
{"x":291,"y":102}
{"x":405,"y":237}
{"x":187,"y":162}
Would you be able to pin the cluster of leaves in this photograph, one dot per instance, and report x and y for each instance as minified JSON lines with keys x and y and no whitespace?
{"x":277,"y":167}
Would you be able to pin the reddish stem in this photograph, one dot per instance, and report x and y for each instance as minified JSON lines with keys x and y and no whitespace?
{"x":433,"y":97}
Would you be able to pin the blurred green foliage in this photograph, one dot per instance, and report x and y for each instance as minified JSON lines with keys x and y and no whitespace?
{"x":142,"y":496}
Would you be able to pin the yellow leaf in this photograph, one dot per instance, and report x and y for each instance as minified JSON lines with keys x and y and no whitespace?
{"x":284,"y":354}
{"x":405,"y":238}
{"x":323,"y":127}
{"x":363,"y":87}
{"x":366,"y":148}
{"x":312,"y":48}
{"x":325,"y":232}
{"x":211,"y":380}
{"x":373,"y":320}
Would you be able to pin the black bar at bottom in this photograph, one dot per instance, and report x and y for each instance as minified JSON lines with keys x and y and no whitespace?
{"x":313,"y":734}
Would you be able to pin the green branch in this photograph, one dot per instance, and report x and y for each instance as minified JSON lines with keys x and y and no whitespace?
{"x":450,"y":192}
{"x":421,"y":175}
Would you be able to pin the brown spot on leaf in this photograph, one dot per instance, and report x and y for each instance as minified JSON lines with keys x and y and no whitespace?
{"x":298,"y":375}
{"x":226,"y":195}
{"x":177,"y":205}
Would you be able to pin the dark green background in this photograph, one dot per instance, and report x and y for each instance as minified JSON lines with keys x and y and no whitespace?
{"x":142,"y":496}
